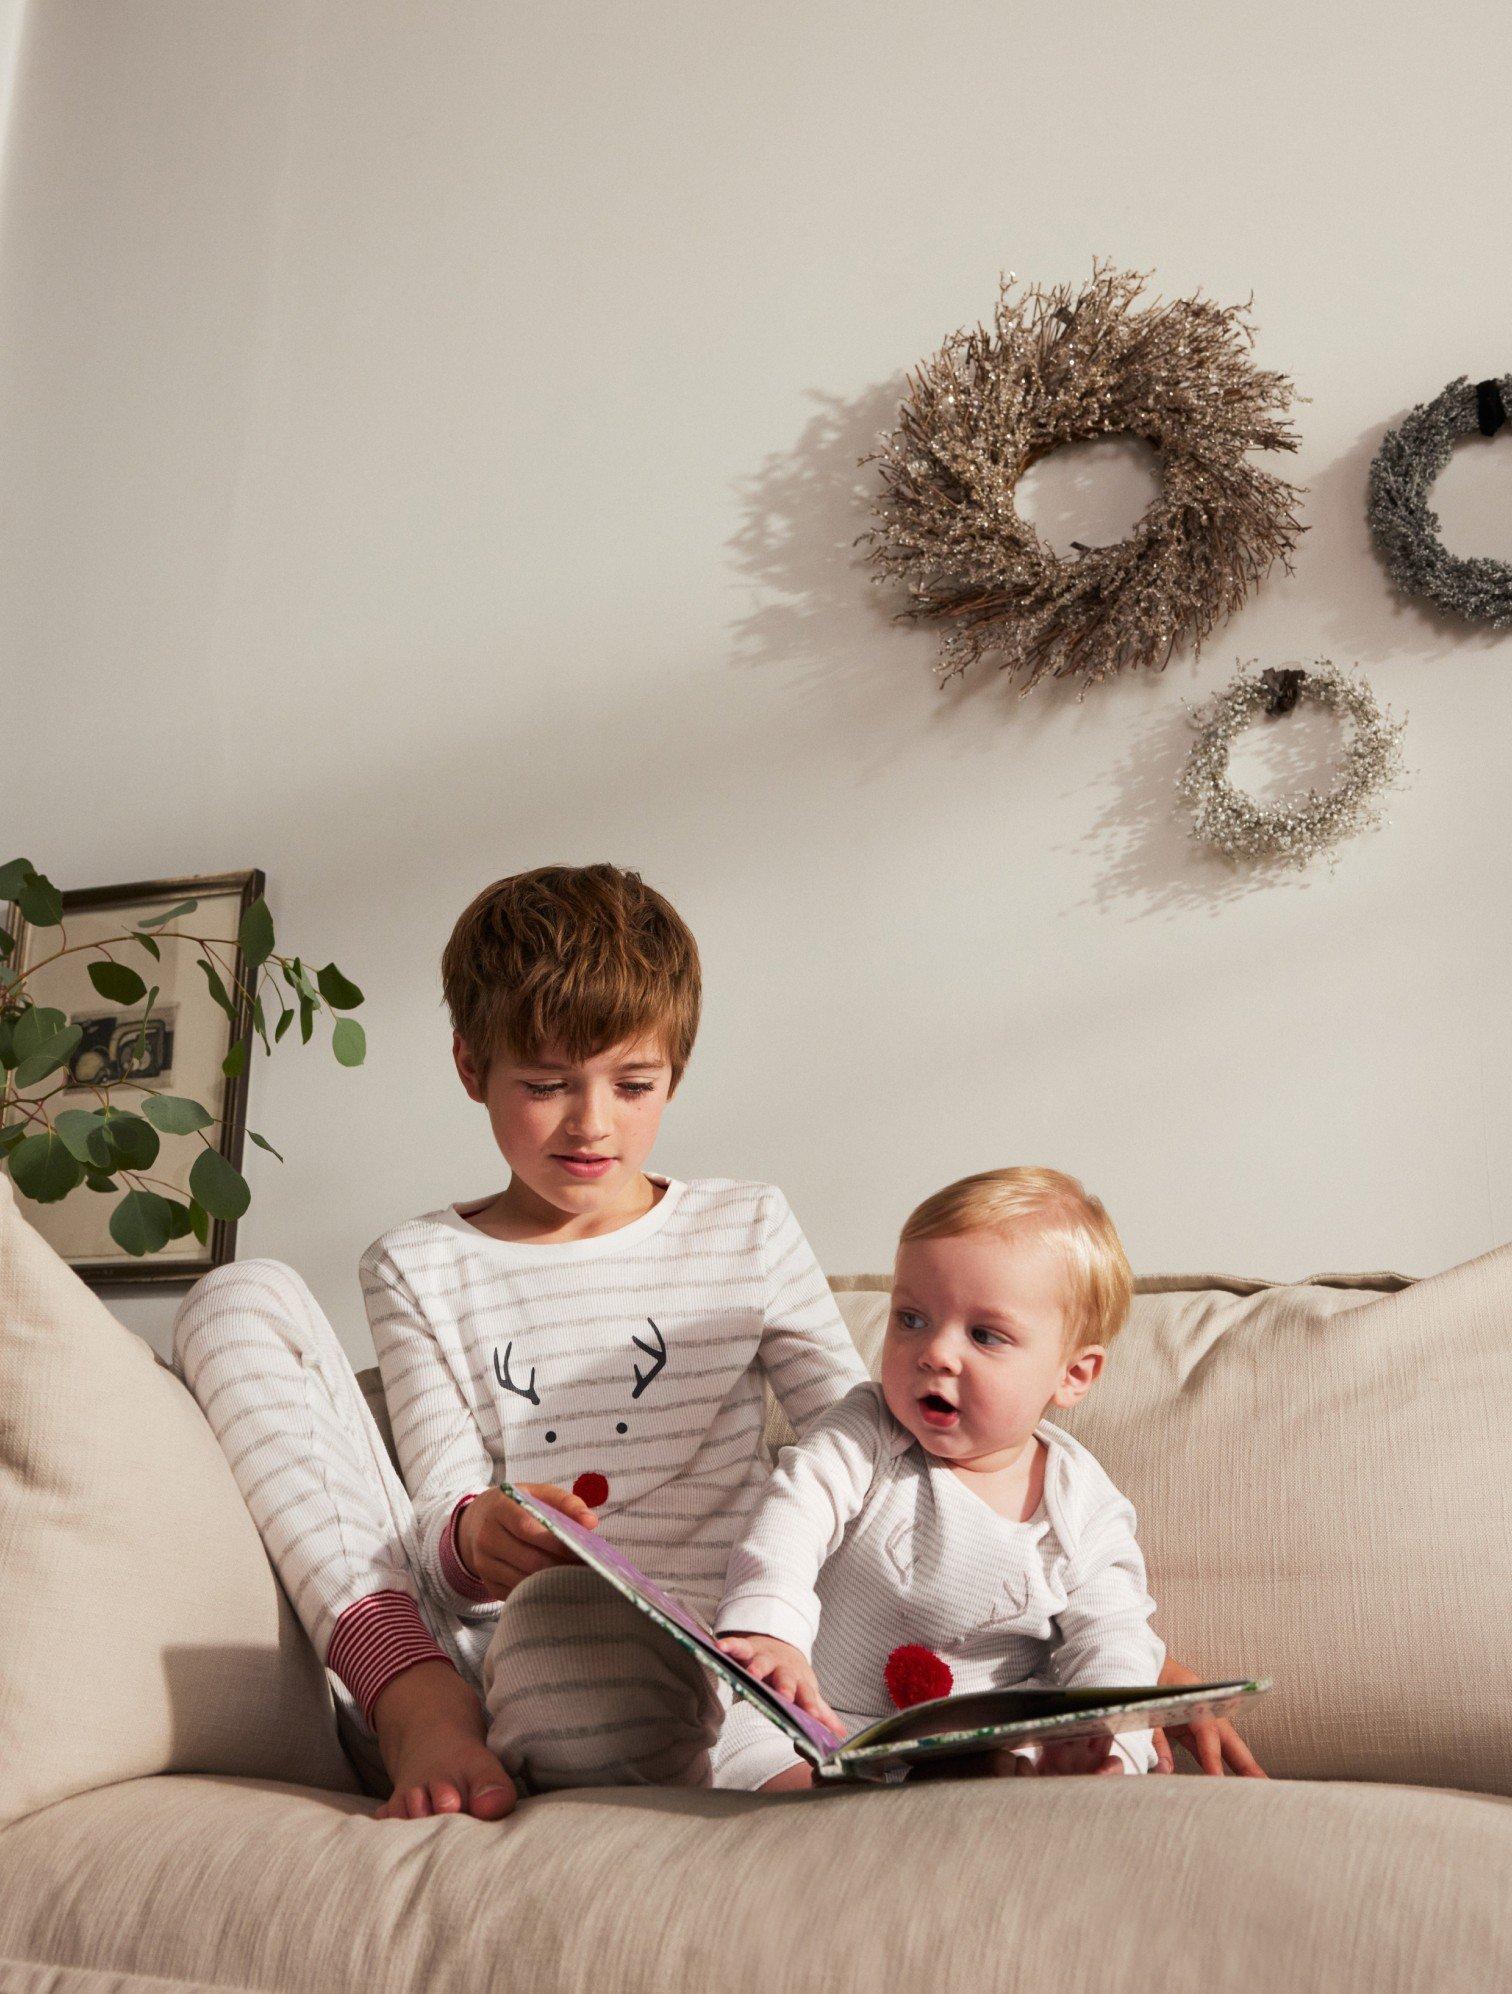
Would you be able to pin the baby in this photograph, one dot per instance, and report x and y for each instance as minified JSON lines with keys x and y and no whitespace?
{"x":933,"y":1532}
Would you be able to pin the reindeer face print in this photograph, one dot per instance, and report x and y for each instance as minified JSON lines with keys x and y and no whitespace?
{"x":591,"y":1486}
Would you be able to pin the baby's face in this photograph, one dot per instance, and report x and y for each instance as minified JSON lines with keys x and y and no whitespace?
{"x":976,"y":1343}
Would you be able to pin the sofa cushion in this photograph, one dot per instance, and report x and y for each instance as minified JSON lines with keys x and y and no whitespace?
{"x":1323,"y":1482}
{"x":952,"y":1887}
{"x":142,"y":1628}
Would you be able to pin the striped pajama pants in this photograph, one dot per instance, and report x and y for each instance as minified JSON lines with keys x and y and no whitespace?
{"x":581,"y":1689}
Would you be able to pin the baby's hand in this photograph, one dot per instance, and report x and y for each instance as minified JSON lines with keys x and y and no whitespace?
{"x":502,"y":1543}
{"x":786,"y":1669}
{"x":1062,"y":1757}
{"x":1072,"y":1755}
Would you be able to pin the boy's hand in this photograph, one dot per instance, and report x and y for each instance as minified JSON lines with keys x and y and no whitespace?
{"x":786,"y":1669}
{"x":502,"y":1543}
{"x":1213,"y":1743}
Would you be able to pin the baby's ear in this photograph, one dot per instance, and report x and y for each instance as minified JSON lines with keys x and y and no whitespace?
{"x":1080,"y":1374}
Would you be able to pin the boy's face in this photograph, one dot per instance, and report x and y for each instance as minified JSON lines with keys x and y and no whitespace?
{"x":976,"y":1344}
{"x":575,"y":1133}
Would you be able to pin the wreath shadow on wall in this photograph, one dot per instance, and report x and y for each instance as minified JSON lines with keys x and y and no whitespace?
{"x":801,"y":511}
{"x":1148,"y":861}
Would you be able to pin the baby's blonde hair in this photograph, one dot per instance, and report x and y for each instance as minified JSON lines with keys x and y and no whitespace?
{"x":1055,"y":1208}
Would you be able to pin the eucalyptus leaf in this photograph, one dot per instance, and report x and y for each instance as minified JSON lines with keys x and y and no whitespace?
{"x":179,"y":1225}
{"x":220,"y":1189}
{"x":133,"y":1052}
{"x":199,"y":1221}
{"x":7,"y":1042}
{"x":44,"y":1168}
{"x":77,"y":1127}
{"x":35,"y":1026}
{"x":260,"y":1022}
{"x":349,"y":1042}
{"x":133,"y":1143}
{"x":337,"y":990}
{"x":150,"y":945}
{"x":7,"y":941}
{"x":263,"y":1143}
{"x":306,"y":1019}
{"x":174,"y":1114}
{"x":298,"y":979}
{"x":217,"y":988}
{"x":256,"y":933}
{"x":52,"y":1054}
{"x":13,"y":876}
{"x":285,"y":1020}
{"x":184,"y":907}
{"x":234,"y":1065}
{"x":11,"y":1134}
{"x":141,"y":1223}
{"x":115,"y":981}
{"x":40,"y":901}
{"x":97,"y":1180}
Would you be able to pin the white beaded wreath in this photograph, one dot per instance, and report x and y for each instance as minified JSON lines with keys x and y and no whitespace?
{"x":1295,"y":833}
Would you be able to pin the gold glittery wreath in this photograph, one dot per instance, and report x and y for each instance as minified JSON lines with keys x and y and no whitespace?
{"x":1053,"y":369}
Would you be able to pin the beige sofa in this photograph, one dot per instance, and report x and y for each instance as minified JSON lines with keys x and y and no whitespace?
{"x":1321,"y":1473}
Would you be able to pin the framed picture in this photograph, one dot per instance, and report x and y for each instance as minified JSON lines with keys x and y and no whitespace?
{"x":188,"y":1037}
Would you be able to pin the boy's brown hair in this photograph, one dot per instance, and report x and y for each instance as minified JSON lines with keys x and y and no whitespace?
{"x":577,"y":956}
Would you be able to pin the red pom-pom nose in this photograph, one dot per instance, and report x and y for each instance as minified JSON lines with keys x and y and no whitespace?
{"x":591,"y":1489}
{"x":915,"y":1675}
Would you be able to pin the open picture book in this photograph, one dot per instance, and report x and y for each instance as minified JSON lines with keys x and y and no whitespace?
{"x":959,"y":1726}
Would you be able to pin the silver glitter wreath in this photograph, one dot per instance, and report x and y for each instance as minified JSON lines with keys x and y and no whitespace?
{"x":1057,"y":368}
{"x":1291,"y":834}
{"x":1406,"y":528}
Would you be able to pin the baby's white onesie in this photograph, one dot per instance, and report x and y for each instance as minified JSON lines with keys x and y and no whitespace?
{"x":862,"y":1543}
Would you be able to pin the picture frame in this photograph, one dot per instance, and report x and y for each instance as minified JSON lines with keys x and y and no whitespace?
{"x":183,"y":1055}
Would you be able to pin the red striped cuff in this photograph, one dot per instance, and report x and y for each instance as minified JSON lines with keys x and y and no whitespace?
{"x":456,"y":1574}
{"x":377,"y":1638}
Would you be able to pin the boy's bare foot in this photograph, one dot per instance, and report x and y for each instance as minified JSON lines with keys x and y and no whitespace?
{"x":432,"y":1735}
{"x":796,"y":1779}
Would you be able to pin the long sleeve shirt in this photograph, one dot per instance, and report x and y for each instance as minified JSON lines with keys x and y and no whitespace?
{"x":634,"y":1359}
{"x":862,"y":1543}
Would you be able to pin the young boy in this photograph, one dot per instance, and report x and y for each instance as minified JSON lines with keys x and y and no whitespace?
{"x":935,"y":1524}
{"x":594,"y":1324}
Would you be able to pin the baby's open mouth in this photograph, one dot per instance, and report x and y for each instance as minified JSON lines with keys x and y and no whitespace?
{"x":938,"y":1410}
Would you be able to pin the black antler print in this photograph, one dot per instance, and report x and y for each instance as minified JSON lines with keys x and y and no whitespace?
{"x":501,"y":1372}
{"x":657,"y":1352}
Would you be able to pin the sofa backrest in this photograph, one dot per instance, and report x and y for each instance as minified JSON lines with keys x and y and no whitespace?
{"x":1324,"y":1490}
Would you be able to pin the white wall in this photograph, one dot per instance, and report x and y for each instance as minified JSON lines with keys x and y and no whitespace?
{"x":427,"y":443}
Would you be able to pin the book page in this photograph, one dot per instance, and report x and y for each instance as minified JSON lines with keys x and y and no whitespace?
{"x":983,"y":1720}
{"x":814,"y":1740}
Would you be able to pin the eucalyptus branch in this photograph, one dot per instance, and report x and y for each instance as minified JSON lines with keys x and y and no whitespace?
{"x":52,"y":1153}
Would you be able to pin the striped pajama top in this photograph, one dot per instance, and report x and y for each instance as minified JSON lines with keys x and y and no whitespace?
{"x":630,"y":1363}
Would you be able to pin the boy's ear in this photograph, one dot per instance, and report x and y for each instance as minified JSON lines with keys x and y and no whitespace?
{"x":1080,"y":1374}
{"x":466,"y":1071}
